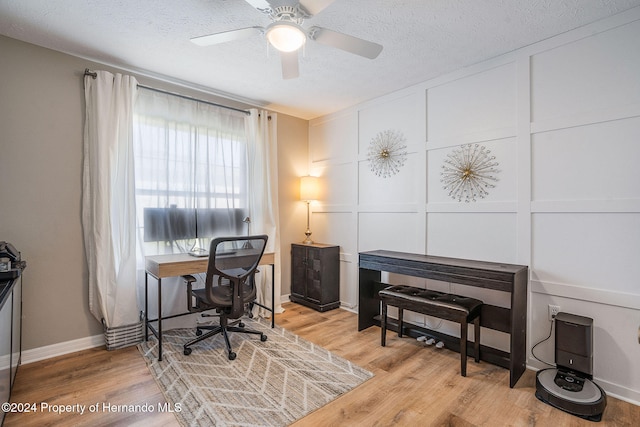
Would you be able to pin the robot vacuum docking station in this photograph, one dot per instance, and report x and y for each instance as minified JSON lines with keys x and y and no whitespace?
{"x":570,"y":387}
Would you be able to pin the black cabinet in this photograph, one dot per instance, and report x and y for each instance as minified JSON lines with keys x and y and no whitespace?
{"x":315,"y":275}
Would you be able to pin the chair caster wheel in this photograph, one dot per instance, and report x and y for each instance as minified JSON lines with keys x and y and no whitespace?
{"x":263,"y":337}
{"x":232,"y":356}
{"x":241,"y":325}
{"x":187,"y":351}
{"x":198,"y":332}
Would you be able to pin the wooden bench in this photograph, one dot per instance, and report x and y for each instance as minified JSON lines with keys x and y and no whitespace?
{"x":438,"y":304}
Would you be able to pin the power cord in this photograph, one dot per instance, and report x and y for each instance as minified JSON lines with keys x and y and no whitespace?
{"x":553,"y":320}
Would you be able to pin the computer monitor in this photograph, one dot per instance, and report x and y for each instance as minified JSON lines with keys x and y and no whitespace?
{"x":168,"y":224}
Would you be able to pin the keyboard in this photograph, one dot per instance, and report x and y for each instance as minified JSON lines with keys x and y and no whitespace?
{"x":199,"y":253}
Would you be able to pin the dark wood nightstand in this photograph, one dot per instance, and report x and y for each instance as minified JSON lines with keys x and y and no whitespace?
{"x":315,"y":275}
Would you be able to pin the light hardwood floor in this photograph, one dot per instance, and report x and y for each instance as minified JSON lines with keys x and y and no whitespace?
{"x":413,"y":385}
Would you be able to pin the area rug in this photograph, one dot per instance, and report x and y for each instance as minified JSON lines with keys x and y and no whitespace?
{"x":271,"y":383}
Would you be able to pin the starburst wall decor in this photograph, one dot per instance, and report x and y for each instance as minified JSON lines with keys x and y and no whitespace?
{"x":468,"y":172}
{"x":387,"y":153}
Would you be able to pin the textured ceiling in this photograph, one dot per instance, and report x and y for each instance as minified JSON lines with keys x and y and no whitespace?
{"x":422,"y":39}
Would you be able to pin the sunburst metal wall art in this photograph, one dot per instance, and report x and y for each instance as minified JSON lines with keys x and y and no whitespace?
{"x":468,"y":172}
{"x":387,"y":153}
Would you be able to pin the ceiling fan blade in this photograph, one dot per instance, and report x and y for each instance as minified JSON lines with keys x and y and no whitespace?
{"x":289,"y":64}
{"x":315,"y":6}
{"x":226,"y":36}
{"x":345,"y":42}
{"x":262,"y":5}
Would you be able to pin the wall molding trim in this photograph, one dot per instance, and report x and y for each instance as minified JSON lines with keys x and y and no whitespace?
{"x":585,"y":119}
{"x":60,"y":349}
{"x":333,"y":208}
{"x":597,"y":296}
{"x":477,"y":207}
{"x":586,"y":206}
{"x":439,"y":143}
{"x":410,"y":208}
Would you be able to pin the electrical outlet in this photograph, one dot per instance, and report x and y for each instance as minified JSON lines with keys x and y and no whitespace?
{"x":553,"y":311}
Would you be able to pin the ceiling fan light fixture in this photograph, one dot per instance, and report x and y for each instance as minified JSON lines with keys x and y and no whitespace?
{"x":286,"y":36}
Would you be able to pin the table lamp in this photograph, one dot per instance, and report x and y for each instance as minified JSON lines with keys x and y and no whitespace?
{"x":308,"y":193}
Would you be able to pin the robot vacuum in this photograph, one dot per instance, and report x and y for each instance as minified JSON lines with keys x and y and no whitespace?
{"x":569,"y":386}
{"x":571,"y":393}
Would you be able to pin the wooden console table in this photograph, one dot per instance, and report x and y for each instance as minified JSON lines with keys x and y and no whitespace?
{"x":501,"y":277}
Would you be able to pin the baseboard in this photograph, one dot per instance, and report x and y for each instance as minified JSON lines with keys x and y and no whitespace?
{"x":349,"y":308}
{"x":60,"y":349}
{"x":618,"y":391}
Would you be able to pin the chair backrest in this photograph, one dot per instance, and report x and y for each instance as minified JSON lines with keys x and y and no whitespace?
{"x":235,"y":259}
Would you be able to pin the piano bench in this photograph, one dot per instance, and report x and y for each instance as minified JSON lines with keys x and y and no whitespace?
{"x":438,"y":304}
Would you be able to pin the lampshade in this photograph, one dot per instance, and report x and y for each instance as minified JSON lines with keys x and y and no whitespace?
{"x":308,"y":188}
{"x":286,"y":36}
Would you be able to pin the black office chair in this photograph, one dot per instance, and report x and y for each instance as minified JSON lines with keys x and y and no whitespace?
{"x":230,"y":287}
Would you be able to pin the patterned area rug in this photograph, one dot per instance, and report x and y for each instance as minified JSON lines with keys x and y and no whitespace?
{"x":271,"y":383}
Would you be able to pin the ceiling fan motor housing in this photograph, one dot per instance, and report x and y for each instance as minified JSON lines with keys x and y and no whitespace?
{"x":295,"y":14}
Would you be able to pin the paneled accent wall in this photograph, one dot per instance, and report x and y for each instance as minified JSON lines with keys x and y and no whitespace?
{"x":562,"y":119}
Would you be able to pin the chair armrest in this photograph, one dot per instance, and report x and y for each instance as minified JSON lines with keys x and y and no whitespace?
{"x":189,"y":279}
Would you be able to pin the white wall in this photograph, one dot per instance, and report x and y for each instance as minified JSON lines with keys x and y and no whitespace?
{"x":562,"y":118}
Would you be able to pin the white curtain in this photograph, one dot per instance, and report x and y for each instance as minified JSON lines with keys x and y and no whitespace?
{"x":108,"y":202}
{"x":261,"y":128}
{"x":190,"y":156}
{"x":187,"y":155}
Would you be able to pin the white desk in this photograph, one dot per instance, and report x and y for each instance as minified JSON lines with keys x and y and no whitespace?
{"x":175,"y":265}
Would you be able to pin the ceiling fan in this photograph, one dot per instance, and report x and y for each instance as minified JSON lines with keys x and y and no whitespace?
{"x":287,"y":35}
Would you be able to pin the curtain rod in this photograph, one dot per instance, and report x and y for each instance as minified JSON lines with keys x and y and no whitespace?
{"x":94,"y":75}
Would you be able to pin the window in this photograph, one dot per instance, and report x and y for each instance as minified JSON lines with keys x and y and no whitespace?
{"x":191,"y":172}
